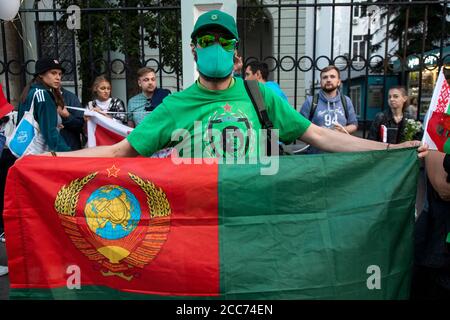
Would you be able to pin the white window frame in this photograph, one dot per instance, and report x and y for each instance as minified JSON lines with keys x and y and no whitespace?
{"x":360,"y":42}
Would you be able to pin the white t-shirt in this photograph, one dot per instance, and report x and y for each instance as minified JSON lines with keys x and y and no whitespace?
{"x":104,"y":105}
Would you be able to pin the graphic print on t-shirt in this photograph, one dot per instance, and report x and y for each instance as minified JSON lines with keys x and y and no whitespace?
{"x":229,"y":134}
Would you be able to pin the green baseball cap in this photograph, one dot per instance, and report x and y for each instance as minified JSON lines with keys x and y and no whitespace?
{"x":215,"y":18}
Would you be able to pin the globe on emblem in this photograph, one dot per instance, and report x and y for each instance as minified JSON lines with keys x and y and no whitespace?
{"x":112,"y":212}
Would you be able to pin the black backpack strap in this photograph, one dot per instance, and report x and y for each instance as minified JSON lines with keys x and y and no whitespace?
{"x":255,"y":95}
{"x":344,"y":105}
{"x":312,"y":111}
{"x":258,"y":103}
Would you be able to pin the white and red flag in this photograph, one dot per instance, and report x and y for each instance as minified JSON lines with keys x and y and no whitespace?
{"x":104,"y":131}
{"x":437,"y":125}
{"x":383,"y":133}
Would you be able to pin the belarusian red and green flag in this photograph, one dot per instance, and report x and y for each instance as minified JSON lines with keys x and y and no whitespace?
{"x":437,"y":127}
{"x":332,"y":226}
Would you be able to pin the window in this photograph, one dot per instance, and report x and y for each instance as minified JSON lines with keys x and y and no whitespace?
{"x":375,"y":96}
{"x":359,"y":47}
{"x":355,"y":96}
{"x":359,"y":11}
{"x":356,"y":11}
{"x":65,"y":42}
{"x":428,"y":83}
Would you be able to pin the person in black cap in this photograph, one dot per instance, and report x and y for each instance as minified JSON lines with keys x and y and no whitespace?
{"x":215,"y":118}
{"x":44,"y":91}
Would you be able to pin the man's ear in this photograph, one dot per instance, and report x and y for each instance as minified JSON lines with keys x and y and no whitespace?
{"x":258,"y":75}
{"x":193,"y":52}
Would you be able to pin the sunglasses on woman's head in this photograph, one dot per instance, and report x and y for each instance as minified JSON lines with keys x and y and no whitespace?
{"x":208,"y":40}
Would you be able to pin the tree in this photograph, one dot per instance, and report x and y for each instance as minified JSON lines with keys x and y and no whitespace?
{"x":118,"y":30}
{"x":420,"y":25}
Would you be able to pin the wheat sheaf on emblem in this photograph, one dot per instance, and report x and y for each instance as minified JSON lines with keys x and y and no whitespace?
{"x":156,"y":198}
{"x":118,"y":257}
{"x":67,"y":198}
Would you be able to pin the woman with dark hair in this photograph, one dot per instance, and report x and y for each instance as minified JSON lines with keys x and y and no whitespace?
{"x":43,"y":92}
{"x":48,"y":107}
{"x":389,"y":126}
{"x":103,"y":102}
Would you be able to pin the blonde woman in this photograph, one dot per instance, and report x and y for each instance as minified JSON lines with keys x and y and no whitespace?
{"x":103,"y":102}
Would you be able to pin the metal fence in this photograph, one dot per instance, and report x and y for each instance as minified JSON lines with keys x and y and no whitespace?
{"x":375,"y":45}
{"x":113,"y":41}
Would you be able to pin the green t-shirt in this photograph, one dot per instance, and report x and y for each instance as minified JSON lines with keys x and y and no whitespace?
{"x":197,"y":121}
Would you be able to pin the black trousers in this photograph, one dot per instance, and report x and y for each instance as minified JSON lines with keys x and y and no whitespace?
{"x":426,"y":284}
{"x":6,"y":161}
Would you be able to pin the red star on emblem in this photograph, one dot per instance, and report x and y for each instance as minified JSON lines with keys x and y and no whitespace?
{"x":227,"y":107}
{"x":113,"y":171}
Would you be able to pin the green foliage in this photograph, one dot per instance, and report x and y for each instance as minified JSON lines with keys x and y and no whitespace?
{"x":253,"y":15}
{"x":425,"y":27}
{"x":106,"y":31}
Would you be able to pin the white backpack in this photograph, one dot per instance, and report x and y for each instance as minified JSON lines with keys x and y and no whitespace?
{"x":27,"y":137}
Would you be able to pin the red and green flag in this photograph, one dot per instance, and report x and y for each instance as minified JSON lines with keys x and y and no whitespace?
{"x":332,"y":226}
{"x":437,"y":127}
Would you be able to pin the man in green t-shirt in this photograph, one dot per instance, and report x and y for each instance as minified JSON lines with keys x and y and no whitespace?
{"x":215,"y":118}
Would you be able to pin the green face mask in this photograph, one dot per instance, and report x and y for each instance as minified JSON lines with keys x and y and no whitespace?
{"x":214,"y":61}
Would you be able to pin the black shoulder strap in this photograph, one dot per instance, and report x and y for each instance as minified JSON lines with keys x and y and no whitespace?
{"x":258,"y":103}
{"x":344,"y":105}
{"x":315,"y":101}
{"x":255,"y":95}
